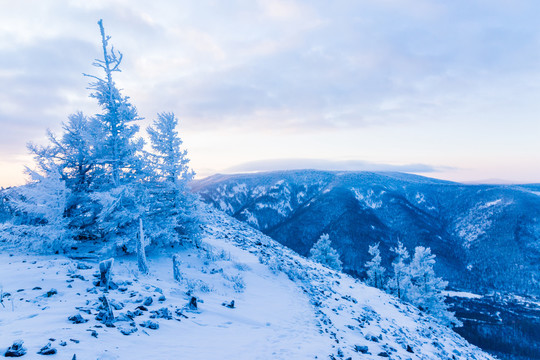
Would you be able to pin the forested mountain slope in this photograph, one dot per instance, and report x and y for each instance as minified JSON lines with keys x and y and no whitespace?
{"x":486,"y":237}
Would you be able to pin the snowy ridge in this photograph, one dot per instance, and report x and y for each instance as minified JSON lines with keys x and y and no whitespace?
{"x":286,"y":307}
{"x":276,"y":199}
{"x":359,"y":319}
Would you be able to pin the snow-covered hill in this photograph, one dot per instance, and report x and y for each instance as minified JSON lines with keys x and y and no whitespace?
{"x":285,"y":307}
{"x":486,"y":237}
{"x":478,"y":232}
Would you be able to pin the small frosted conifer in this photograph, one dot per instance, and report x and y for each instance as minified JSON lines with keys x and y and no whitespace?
{"x":323,"y":252}
{"x":375,"y":271}
{"x":414,"y":281}
{"x":172,"y":207}
{"x":400,"y":282}
{"x":427,"y":289}
{"x":41,"y":207}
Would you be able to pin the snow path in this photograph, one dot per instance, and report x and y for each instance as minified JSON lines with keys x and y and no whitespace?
{"x":272,"y":319}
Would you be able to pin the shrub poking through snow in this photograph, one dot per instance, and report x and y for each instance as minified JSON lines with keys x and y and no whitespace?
{"x":375,"y":271}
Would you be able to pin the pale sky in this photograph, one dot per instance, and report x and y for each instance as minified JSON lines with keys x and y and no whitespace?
{"x":446,"y":89}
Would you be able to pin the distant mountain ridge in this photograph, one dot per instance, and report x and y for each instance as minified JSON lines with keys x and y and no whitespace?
{"x":486,"y":237}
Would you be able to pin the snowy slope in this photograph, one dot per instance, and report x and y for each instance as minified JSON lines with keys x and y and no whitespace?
{"x":286,"y":307}
{"x":478,"y":232}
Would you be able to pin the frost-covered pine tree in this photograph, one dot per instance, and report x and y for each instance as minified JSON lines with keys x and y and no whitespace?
{"x":427,"y":289}
{"x":74,"y":155}
{"x":96,"y":182}
{"x":172,"y":207}
{"x":170,"y":161}
{"x":323,"y":252}
{"x":375,"y":271}
{"x":400,"y":281}
{"x":41,"y":209}
{"x":118,"y":149}
{"x":119,"y":181}
{"x":73,"y":151}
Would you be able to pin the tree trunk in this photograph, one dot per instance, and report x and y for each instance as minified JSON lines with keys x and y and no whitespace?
{"x":141,"y":254}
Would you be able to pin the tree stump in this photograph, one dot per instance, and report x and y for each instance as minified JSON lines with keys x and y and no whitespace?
{"x":193,"y":303}
{"x":105,"y":268}
{"x":176,"y":268}
{"x":107,"y":315}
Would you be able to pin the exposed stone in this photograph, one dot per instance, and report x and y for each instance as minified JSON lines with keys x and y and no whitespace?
{"x":106,"y":315}
{"x":148,"y":301}
{"x":16,"y":350}
{"x":47,"y":350}
{"x":116,"y":305}
{"x":361,"y":349}
{"x":163,"y":313}
{"x":51,"y":293}
{"x":128,"y":329}
{"x":83,"y":266}
{"x":123,"y":317}
{"x":77,"y":319}
{"x":193,"y":303}
{"x":149,"y":324}
{"x":229,"y":305}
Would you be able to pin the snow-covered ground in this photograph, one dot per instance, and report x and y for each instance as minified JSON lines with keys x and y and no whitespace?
{"x":285,"y":307}
{"x":271,"y":318}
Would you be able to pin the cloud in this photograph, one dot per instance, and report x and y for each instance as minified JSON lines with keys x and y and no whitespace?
{"x":288,"y":67}
{"x":329,"y":165}
{"x":296,"y":65}
{"x":348,"y":66}
{"x":38,"y":94}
